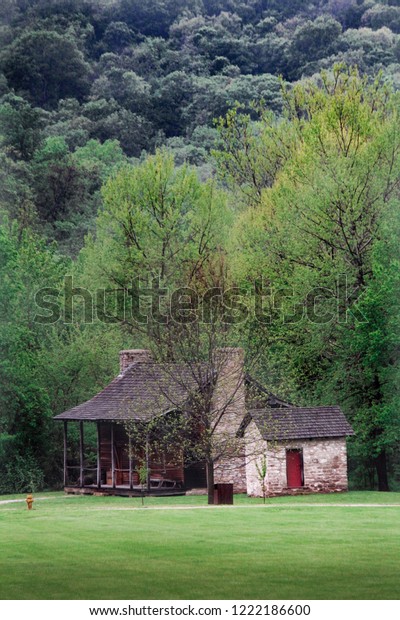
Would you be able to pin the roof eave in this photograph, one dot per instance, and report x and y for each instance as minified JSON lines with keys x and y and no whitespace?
{"x":309,"y":437}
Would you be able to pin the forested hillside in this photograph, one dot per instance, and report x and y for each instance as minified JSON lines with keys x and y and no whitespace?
{"x":208,"y":143}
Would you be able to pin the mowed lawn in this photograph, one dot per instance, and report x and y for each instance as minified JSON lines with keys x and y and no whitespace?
{"x":110,"y":548}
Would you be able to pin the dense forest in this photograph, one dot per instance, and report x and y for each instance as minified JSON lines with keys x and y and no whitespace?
{"x":249,"y":145}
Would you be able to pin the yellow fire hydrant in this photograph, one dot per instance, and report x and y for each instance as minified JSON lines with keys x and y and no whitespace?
{"x":29,"y":501}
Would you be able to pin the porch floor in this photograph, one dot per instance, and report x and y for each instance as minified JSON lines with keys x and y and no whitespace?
{"x":121,"y":489}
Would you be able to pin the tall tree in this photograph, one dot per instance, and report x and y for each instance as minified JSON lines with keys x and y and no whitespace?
{"x":20,"y":126}
{"x":159,"y":223}
{"x":314,"y":235}
{"x":25,"y":419}
{"x":46,"y":66}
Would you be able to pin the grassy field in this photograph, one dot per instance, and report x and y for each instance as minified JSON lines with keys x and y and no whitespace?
{"x":293,"y":548}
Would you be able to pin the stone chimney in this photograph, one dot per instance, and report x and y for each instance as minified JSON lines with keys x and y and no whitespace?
{"x":229,"y":403}
{"x":130,"y":356}
{"x":229,"y":389}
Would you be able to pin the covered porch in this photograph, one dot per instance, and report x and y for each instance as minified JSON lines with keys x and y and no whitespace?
{"x":98,"y":459}
{"x":109,"y":441}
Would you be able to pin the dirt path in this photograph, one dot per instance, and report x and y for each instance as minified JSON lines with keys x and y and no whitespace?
{"x":236,"y":507}
{"x":13,"y":501}
{"x":206,"y":507}
{"x":255,"y":506}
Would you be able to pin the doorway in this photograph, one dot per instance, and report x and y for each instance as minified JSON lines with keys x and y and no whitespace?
{"x":294,"y":468}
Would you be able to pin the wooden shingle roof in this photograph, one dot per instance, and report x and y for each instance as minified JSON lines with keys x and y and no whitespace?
{"x":142,"y":391}
{"x":301,"y":423}
{"x":148,"y":389}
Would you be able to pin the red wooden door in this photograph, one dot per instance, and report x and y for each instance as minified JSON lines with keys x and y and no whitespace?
{"x":294,"y":468}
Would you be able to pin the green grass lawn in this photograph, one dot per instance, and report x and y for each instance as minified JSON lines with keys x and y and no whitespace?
{"x":99,"y":548}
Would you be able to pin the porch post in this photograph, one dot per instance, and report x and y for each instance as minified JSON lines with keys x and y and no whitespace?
{"x":98,"y":457}
{"x":81,"y":453}
{"x":65,"y":452}
{"x":112,"y":456}
{"x":148,"y":463}
{"x":130,"y":460}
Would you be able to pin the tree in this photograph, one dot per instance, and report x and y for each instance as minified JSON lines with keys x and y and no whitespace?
{"x":159,"y":223}
{"x":68,"y":121}
{"x":171,"y":96}
{"x":58,"y":182}
{"x":368,"y":49}
{"x":16,"y":195}
{"x":143,"y":474}
{"x":367,"y":373}
{"x":155,"y":16}
{"x":67,"y":186}
{"x":252,"y":154}
{"x":20,"y":126}
{"x":205,"y":427}
{"x":312,"y":41}
{"x":320,"y":222}
{"x":214,"y":96}
{"x":380,"y":16}
{"x":117,"y":36}
{"x":112,"y":122}
{"x":129,"y":89}
{"x":46,"y":66}
{"x":261,"y":467}
{"x":26,"y":430}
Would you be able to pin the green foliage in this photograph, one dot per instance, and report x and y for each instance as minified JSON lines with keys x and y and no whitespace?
{"x":25,"y":263}
{"x":20,"y":126}
{"x":313,"y":40}
{"x":251,"y":155}
{"x":154,"y":17}
{"x":117,"y":36}
{"x":383,"y":16}
{"x":329,"y":215}
{"x":158,"y":221}
{"x":61,"y":186}
{"x":143,"y":473}
{"x":261,"y":467}
{"x":20,"y":474}
{"x":67,"y":185}
{"x":145,"y":75}
{"x":130,"y":90}
{"x":102,"y":158}
{"x":47,"y":66}
{"x":311,"y":169}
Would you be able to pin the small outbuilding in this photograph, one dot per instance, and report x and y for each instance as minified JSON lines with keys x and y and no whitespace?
{"x":304,"y":447}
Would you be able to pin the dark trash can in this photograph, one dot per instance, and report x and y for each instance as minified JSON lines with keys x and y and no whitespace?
{"x":223,"y":493}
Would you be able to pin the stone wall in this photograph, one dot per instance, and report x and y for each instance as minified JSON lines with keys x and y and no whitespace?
{"x":256,"y":449}
{"x":324,"y":465}
{"x":232,"y":471}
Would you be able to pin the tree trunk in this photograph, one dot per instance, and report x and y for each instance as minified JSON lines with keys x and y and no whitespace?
{"x":210,"y":481}
{"x":381,"y":470}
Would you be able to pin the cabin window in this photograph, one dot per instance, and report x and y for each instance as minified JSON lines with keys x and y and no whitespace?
{"x":294,"y":468}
